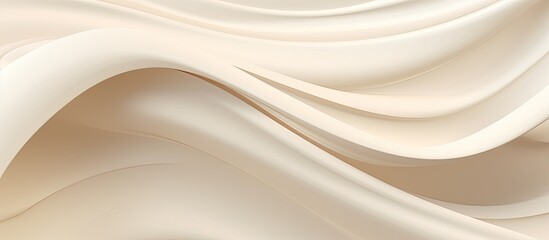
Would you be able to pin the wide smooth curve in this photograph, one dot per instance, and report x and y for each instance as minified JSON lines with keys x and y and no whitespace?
{"x":271,"y":119}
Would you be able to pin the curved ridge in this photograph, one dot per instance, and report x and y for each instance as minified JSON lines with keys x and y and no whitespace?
{"x":315,"y":120}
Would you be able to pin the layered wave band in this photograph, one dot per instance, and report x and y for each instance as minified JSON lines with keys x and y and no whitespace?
{"x":238,"y":119}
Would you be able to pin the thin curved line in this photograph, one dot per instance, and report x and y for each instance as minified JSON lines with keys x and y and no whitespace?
{"x":142,"y":8}
{"x":77,"y":182}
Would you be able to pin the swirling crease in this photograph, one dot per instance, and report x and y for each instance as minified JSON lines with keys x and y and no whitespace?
{"x":237,"y":119}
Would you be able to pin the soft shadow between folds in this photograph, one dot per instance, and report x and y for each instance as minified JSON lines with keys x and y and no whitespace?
{"x":500,"y":176}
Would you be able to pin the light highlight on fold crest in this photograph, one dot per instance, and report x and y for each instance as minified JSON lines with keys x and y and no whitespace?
{"x":238,"y":119}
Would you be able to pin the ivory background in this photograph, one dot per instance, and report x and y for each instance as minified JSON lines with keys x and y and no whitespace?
{"x":241,"y":119}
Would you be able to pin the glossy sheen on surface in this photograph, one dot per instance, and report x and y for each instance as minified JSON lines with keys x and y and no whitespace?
{"x":239,"y":119}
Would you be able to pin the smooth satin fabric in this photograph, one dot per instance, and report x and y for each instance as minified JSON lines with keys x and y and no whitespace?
{"x":238,"y":119}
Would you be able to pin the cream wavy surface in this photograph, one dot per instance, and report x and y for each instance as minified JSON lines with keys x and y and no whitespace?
{"x":241,"y":119}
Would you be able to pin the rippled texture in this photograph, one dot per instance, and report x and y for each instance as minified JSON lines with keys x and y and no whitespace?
{"x":271,"y":119}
